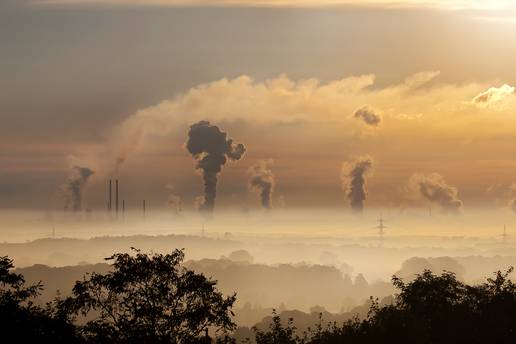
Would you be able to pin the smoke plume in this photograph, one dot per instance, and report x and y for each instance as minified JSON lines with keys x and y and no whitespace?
{"x":353,"y":178}
{"x":369,"y":115}
{"x":211,"y":148}
{"x":512,"y":205}
{"x":73,"y":187}
{"x":434,"y":188}
{"x":262,"y":180}
{"x":173,"y":201}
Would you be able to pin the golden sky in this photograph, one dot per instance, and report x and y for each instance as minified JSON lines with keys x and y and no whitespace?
{"x":462,"y":132}
{"x":445,"y":4}
{"x":427,"y":95}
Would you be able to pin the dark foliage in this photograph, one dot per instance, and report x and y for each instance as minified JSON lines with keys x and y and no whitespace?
{"x":430,"y":309}
{"x":277,"y":333}
{"x":22,"y":321}
{"x":155,"y":299}
{"x":149,"y":299}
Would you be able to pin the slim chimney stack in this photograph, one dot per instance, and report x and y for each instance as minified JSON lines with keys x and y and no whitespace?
{"x":116,"y":196}
{"x":110,"y":195}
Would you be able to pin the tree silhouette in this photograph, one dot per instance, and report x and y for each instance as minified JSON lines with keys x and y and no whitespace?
{"x":277,"y":333}
{"x":155,"y":299}
{"x":149,"y":299}
{"x":430,"y":309}
{"x":21,"y":320}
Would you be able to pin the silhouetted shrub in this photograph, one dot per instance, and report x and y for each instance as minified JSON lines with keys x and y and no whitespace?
{"x":155,"y":299}
{"x":149,"y":299}
{"x":429,"y":309}
{"x":21,"y":321}
{"x":277,"y":333}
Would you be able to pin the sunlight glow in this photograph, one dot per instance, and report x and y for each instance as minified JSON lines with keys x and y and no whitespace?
{"x":440,"y":4}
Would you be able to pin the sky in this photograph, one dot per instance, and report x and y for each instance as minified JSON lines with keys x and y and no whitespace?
{"x":423,"y":89}
{"x":443,"y":4}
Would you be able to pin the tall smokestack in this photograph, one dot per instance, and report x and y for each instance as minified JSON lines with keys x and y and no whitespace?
{"x":144,"y":209}
{"x":110,"y":204}
{"x":116,"y":196}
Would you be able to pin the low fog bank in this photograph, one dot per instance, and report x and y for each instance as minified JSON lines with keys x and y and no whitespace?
{"x":339,"y":293}
{"x":374,"y":258}
{"x":314,"y":224}
{"x":259,"y":287}
{"x":287,"y":260}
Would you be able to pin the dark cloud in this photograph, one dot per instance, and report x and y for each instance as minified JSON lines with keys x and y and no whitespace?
{"x":369,"y":115}
{"x":262,"y":179}
{"x":353,"y":179}
{"x":73,"y":187}
{"x":211,"y":148}
{"x":434,"y":188}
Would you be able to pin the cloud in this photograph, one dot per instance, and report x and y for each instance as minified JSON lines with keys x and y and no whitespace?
{"x":353,"y":179}
{"x":281,"y":100}
{"x":493,"y":95}
{"x":409,"y":117}
{"x":420,"y":79}
{"x":442,"y":4}
{"x":369,"y":115}
{"x":434,"y":188}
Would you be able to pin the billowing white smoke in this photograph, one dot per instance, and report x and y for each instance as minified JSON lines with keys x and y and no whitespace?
{"x":434,"y":188}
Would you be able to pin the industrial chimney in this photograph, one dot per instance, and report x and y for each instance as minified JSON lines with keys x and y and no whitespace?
{"x":110,"y":195}
{"x":116,"y":196}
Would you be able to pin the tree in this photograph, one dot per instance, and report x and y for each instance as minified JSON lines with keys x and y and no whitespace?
{"x":149,"y":299}
{"x":21,"y":320}
{"x":429,"y":309}
{"x":277,"y":333}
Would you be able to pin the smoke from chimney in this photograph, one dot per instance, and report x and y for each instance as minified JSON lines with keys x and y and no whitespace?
{"x":173,"y":201}
{"x":73,"y":187}
{"x":116,"y":196}
{"x":512,"y":205}
{"x":368,"y":115}
{"x":353,"y":178}
{"x":434,"y":188}
{"x":211,"y":148}
{"x":262,"y":180}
